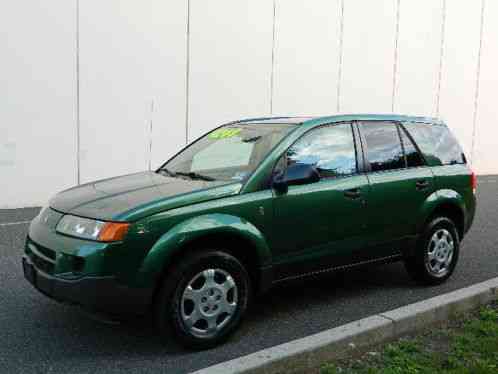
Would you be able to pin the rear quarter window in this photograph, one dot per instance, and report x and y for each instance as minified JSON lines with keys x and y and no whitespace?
{"x":437,"y":143}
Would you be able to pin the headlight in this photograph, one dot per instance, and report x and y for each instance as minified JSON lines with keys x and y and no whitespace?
{"x":81,"y":227}
{"x":91,"y":229}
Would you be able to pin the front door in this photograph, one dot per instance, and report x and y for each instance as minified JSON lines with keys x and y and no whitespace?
{"x":319,"y":225}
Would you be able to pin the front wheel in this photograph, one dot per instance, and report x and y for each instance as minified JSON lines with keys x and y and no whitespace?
{"x":204,"y":299}
{"x":436,"y":255}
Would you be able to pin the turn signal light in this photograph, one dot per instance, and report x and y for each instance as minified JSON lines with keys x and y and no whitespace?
{"x":113,"y":231}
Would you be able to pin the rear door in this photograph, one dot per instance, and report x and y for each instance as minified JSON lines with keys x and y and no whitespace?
{"x":400,"y":182}
{"x":447,"y":160}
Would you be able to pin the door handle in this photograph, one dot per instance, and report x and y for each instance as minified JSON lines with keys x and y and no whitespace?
{"x":421,"y":184}
{"x":353,"y":193}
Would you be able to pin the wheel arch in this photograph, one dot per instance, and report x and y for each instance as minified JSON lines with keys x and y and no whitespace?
{"x":446,"y":203}
{"x":233,"y":234}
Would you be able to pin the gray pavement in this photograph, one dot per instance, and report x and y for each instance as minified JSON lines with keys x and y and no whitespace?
{"x":38,"y":335}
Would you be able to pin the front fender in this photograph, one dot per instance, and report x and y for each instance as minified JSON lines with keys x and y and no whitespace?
{"x":173,"y":241}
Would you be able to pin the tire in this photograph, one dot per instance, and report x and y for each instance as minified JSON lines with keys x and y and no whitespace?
{"x":204,"y":315}
{"x":438,"y":246}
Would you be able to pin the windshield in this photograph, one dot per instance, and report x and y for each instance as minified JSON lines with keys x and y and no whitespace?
{"x":231,"y":152}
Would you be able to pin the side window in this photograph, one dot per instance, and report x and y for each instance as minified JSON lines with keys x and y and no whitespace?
{"x":330,"y":149}
{"x":413,"y":157}
{"x":384,"y":150}
{"x":437,"y":143}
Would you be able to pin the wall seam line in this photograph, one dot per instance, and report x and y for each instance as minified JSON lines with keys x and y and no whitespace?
{"x":78,"y":119}
{"x":478,"y":83}
{"x":151,"y":120}
{"x":395,"y":62}
{"x":441,"y":57}
{"x":272,"y":73}
{"x":341,"y":46}
{"x":187,"y":75}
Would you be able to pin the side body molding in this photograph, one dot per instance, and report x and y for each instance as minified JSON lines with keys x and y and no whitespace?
{"x":175,"y":239}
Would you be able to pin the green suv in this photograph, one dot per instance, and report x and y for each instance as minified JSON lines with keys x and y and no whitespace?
{"x":251,"y":204}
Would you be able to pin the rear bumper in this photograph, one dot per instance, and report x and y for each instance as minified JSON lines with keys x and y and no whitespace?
{"x":102,"y":294}
{"x":471,"y":212}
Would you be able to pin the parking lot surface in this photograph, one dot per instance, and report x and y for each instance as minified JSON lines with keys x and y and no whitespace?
{"x":38,"y":335}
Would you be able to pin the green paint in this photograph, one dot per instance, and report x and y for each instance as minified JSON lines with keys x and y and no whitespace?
{"x":311,"y":227}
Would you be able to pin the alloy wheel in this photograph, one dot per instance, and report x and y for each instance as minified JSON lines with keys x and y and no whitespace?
{"x":209,"y":302}
{"x":439,"y":253}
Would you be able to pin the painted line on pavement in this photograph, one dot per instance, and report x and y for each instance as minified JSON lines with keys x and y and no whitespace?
{"x":14,"y":223}
{"x":307,"y":353}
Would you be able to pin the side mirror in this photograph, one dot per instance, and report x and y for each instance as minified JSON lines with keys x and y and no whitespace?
{"x":296,"y":174}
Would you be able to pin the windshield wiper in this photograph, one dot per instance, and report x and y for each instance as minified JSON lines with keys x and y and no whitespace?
{"x":169,"y":172}
{"x":254,"y":139}
{"x":193,"y":175}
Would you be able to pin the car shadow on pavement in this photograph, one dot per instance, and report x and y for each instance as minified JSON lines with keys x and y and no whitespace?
{"x":80,"y":333}
{"x":332,"y":287}
{"x":73,"y":328}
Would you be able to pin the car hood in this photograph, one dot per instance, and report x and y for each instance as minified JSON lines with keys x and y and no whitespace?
{"x":134,"y":196}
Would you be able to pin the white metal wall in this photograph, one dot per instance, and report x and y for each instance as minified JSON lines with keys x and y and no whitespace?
{"x":37,"y":100}
{"x":459,"y":68}
{"x":132,"y":72}
{"x":418,"y":57}
{"x":306,"y":58}
{"x":230,"y":61}
{"x":485,"y":148}
{"x":368,"y":56}
{"x":120,"y":74}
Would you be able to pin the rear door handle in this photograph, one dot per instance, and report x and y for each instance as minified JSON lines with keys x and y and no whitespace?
{"x":422,"y":184}
{"x":353,"y":193}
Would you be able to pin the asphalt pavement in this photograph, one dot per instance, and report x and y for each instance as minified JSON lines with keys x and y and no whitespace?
{"x":38,"y":335}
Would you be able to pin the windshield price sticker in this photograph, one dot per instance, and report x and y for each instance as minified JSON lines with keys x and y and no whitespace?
{"x":224,"y":133}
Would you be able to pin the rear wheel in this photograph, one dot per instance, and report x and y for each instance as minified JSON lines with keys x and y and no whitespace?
{"x":204,"y":299}
{"x":436,"y":255}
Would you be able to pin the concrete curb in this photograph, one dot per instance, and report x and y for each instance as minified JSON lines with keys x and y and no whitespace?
{"x":305,"y":353}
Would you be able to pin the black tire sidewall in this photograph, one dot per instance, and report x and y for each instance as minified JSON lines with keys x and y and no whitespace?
{"x":169,"y":310}
{"x":417,"y":264}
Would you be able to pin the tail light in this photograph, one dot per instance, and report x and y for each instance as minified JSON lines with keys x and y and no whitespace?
{"x":473,"y":182}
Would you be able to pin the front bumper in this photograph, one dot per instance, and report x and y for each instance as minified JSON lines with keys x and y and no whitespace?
{"x":101,"y":294}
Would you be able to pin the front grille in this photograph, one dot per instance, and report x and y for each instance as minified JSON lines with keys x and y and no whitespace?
{"x":42,"y":264}
{"x":47,"y":252}
{"x":42,"y":257}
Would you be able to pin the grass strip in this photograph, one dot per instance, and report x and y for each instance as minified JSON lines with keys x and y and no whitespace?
{"x":468,"y":345}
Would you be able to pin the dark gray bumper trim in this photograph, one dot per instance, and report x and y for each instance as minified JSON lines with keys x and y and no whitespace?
{"x":102,"y":294}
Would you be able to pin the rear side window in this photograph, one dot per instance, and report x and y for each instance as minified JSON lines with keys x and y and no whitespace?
{"x":413,"y":156}
{"x":384,"y":151}
{"x":331,"y":149}
{"x":437,"y":143}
